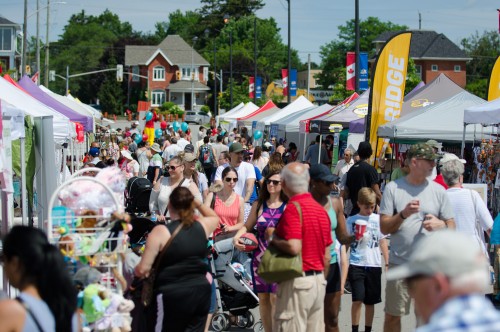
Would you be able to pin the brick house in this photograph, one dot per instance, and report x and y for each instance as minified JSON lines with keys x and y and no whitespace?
{"x":10,"y":55}
{"x":433,"y":54}
{"x":166,"y":72}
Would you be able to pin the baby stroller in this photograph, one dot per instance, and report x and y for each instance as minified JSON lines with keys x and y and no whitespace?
{"x":137,"y":195}
{"x":234,"y":290}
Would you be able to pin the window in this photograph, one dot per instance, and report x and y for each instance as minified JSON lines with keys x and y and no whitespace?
{"x":159,"y":73}
{"x":205,"y":74}
{"x":434,"y":67}
{"x":6,"y":39}
{"x":186,"y":73}
{"x":457,"y":68}
{"x":135,"y":71}
{"x":418,"y":70}
{"x":157,"y":97}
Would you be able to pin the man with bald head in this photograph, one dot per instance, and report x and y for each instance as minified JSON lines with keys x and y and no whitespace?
{"x":303,"y":229}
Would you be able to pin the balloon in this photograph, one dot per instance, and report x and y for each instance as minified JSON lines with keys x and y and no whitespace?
{"x":149,"y":116}
{"x":257,"y":134}
{"x":138,"y":139}
{"x":158,"y":133}
{"x":176,"y":125}
{"x":184,"y":126}
{"x":163,"y":125}
{"x":145,"y":137}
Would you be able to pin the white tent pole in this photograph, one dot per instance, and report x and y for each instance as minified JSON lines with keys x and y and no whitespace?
{"x":319,"y":151}
{"x":72,"y":155}
{"x":463,"y":141}
{"x":24,"y":194}
{"x":304,"y":150}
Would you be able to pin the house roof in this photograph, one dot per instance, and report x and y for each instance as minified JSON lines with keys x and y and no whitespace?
{"x":173,"y":48}
{"x":428,"y":44}
{"x":4,"y":21}
{"x":186,"y":86}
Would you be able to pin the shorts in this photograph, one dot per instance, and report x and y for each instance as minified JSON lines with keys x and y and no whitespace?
{"x":333,"y":279}
{"x":366,"y":284}
{"x":397,"y":297}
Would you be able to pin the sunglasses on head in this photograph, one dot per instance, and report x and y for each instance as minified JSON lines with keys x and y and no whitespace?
{"x":231,"y":180}
{"x":173,"y":168}
{"x":274,"y":182}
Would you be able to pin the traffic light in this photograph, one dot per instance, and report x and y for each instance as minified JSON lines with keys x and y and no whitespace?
{"x":52,"y":75}
{"x":28,"y":70}
{"x":178,"y":75}
{"x":119,"y":73}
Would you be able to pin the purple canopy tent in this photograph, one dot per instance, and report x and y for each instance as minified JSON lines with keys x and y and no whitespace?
{"x":357,"y":126}
{"x":27,"y":84}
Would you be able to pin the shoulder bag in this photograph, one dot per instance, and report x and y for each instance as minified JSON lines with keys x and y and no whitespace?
{"x":277,"y":266}
{"x":148,"y":283}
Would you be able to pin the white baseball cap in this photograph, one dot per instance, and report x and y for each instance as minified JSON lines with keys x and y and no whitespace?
{"x":449,"y":157}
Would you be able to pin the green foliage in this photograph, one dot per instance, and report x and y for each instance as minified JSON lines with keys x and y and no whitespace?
{"x":205,"y":109}
{"x":167,"y":106}
{"x":333,"y":54}
{"x":110,"y":96}
{"x":240,"y":95}
{"x":412,"y":79}
{"x":479,"y":87}
{"x":483,"y":49}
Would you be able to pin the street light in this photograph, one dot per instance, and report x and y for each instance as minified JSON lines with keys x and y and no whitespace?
{"x":207,"y":33}
{"x":226,"y":21}
{"x":289,"y":69}
{"x":193,"y":101}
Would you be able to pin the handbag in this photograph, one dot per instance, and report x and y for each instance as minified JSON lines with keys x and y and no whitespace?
{"x":148,"y":283}
{"x":277,"y":266}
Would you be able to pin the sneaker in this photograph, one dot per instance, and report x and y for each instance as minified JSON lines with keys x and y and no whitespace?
{"x":347,"y":288}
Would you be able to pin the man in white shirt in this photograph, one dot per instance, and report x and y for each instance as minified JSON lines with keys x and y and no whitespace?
{"x":345,"y":164}
{"x":135,"y":128}
{"x":182,"y":142}
{"x":246,"y":172}
{"x":172,"y":150}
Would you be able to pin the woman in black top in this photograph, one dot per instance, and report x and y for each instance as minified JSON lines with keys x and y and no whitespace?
{"x":182,"y":285}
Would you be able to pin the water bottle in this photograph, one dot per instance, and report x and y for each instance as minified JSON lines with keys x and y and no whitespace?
{"x":153,"y":216}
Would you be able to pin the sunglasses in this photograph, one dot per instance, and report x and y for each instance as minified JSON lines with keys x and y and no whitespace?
{"x":173,"y":168}
{"x":274,"y":182}
{"x":231,"y":179}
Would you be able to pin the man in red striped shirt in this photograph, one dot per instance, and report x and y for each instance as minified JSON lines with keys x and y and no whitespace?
{"x":299,"y":305}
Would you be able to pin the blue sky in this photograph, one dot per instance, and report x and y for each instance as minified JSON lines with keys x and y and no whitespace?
{"x":314,"y":22}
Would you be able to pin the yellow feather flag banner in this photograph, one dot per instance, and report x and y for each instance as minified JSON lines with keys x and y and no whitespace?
{"x":494,"y":83}
{"x":388,"y":87}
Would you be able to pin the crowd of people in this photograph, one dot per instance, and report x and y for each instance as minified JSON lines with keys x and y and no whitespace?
{"x":222,"y":184}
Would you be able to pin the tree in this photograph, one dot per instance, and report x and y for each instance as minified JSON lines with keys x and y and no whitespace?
{"x":85,"y":40}
{"x":483,"y":49}
{"x":111,"y":96}
{"x":333,"y":54}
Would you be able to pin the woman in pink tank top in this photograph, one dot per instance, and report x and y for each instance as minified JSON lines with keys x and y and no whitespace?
{"x":229,"y":206}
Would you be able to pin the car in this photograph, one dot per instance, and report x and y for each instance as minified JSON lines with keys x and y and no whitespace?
{"x":197,"y":117}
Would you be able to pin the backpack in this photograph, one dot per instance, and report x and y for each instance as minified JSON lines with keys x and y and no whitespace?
{"x":206,"y":156}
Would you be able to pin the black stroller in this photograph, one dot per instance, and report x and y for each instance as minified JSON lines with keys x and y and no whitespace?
{"x":234,"y":290}
{"x":137,"y":195}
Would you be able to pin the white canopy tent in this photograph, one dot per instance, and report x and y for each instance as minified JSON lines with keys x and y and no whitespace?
{"x":244,"y":111}
{"x":441,"y":121}
{"x":485,"y":114}
{"x":296,"y":106}
{"x":230,"y":112}
{"x":63,"y":129}
{"x":97,"y":114}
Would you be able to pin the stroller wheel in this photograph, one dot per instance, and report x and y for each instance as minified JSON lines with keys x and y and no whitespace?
{"x":250,"y":319}
{"x":242,"y":321}
{"x":219,"y":322}
{"x":258,"y":327}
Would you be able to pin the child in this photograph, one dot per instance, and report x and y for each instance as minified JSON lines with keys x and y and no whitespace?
{"x":365,"y":269}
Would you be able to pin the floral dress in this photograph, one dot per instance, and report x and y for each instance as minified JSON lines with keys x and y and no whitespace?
{"x":268,"y":218}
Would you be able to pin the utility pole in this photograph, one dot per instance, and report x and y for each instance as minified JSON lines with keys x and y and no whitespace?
{"x":38,"y":41}
{"x":47,"y":47}
{"x":255,"y":60}
{"x":25,"y":42}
